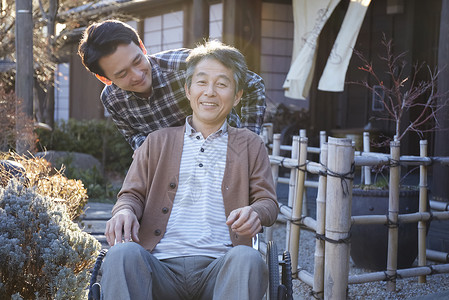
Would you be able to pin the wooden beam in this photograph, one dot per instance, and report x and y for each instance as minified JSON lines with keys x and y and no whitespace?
{"x":440,"y":188}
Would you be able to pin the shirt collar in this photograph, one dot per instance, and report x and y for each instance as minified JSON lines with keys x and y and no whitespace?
{"x":190,"y":131}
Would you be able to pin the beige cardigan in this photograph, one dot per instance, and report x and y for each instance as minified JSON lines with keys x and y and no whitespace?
{"x":152,"y":180}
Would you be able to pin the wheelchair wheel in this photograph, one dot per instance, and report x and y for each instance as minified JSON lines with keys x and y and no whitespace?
{"x":94,"y":286}
{"x":287,"y":275}
{"x":273,"y":270}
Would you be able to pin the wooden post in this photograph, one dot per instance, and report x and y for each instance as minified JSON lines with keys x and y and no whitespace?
{"x":318,"y":273}
{"x":297,"y":206}
{"x":292,"y":186}
{"x":24,"y":66}
{"x":275,"y":171}
{"x":338,"y":217}
{"x":366,"y":148}
{"x":422,"y":225}
{"x":393,"y":210}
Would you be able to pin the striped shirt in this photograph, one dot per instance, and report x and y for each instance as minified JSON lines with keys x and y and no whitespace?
{"x":167,"y":106}
{"x":197,"y":223}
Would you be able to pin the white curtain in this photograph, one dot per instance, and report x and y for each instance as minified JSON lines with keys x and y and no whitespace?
{"x":309,"y":18}
{"x":333,"y":78}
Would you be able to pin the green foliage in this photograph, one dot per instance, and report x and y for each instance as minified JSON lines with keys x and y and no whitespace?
{"x":43,"y":254}
{"x":95,"y":183}
{"x":100,"y":138}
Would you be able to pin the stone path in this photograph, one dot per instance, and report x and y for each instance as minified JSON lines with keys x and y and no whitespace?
{"x":94,"y":220}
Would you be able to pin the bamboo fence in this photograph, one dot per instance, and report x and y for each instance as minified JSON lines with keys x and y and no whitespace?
{"x":337,"y":159}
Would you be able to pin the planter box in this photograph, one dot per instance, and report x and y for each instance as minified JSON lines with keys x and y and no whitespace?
{"x":369,"y":243}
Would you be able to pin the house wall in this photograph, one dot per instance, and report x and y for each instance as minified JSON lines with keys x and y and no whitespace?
{"x":85,"y":92}
{"x":267,"y":40}
{"x":415,"y":31}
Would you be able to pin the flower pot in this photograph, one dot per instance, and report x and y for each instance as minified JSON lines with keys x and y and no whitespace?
{"x":369,"y":243}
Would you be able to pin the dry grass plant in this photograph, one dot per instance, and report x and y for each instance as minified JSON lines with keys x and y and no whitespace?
{"x":49,"y":182}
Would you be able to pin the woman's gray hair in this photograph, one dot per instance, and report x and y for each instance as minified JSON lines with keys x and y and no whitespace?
{"x":229,"y":56}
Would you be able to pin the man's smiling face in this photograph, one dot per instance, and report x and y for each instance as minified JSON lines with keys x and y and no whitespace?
{"x":129,"y":69}
{"x":212,"y":94}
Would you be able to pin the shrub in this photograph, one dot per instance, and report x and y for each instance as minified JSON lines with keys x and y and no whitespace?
{"x":43,"y":254}
{"x":100,"y":138}
{"x":50,"y":182}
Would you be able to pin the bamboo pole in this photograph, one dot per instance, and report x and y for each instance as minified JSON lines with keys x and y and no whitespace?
{"x":422,"y":226}
{"x":403,"y":273}
{"x":437,"y":205}
{"x":322,"y":138}
{"x":303,"y":134}
{"x":393,"y":211}
{"x":305,"y":277}
{"x":292,"y":185}
{"x":404,"y":218}
{"x":275,"y":172}
{"x":318,"y":278}
{"x":366,"y":148}
{"x":437,"y":255}
{"x":297,"y":206}
{"x":338,"y":217}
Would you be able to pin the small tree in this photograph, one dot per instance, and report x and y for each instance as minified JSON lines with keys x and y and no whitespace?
{"x":405,"y":93}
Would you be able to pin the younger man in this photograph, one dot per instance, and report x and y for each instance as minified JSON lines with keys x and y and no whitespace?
{"x":193,"y":198}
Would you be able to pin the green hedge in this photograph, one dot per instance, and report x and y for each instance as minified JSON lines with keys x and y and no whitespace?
{"x":100,"y":138}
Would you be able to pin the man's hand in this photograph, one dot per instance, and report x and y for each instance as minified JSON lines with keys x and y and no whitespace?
{"x":124,"y":222}
{"x":244,"y":221}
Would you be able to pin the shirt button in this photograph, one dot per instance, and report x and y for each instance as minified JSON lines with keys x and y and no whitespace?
{"x":165,"y":210}
{"x":157,"y":232}
{"x":202,"y":150}
{"x":172,"y":185}
{"x":197,"y":137}
{"x":200,"y":165}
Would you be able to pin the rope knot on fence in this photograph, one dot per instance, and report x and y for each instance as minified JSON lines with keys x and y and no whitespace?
{"x":392,"y":277}
{"x":344,"y":177}
{"x":394,"y":163}
{"x":390,"y":223}
{"x":322,"y":237}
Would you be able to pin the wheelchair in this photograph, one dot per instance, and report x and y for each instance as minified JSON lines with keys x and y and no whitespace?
{"x":278,"y":288}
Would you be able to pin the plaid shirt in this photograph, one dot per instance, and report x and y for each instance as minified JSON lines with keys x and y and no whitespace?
{"x":168,"y":106}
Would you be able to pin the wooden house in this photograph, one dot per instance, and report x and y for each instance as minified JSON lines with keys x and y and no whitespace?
{"x":264,"y":31}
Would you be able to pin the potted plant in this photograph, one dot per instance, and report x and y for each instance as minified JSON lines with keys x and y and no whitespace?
{"x":404,"y":93}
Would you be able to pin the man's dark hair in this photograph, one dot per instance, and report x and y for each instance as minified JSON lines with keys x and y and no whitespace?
{"x":101,"y":39}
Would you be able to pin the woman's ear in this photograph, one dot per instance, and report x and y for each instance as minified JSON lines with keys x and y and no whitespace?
{"x":103,"y":79}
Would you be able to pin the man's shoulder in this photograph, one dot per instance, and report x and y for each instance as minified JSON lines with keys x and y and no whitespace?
{"x":170,"y":60}
{"x":111,"y":93}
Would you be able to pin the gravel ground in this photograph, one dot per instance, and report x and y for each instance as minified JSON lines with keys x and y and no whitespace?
{"x":406,"y":288}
